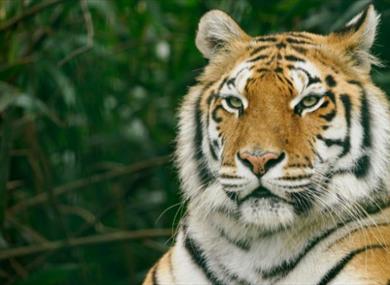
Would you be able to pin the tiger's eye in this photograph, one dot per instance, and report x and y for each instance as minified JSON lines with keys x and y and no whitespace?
{"x":234,"y":102}
{"x":310,"y":101}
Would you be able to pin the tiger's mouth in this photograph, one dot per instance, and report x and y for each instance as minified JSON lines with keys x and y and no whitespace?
{"x":262,"y":192}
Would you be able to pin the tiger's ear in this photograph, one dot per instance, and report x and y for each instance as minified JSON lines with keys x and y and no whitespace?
{"x":216,"y":31}
{"x":357,"y":38}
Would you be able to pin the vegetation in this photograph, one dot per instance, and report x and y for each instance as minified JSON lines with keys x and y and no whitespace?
{"x":88,"y":96}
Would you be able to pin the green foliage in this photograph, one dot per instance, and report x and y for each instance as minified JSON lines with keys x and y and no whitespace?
{"x":52,"y":275}
{"x":88,"y":96}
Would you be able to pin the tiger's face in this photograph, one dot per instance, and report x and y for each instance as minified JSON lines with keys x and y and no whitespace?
{"x":283,"y":126}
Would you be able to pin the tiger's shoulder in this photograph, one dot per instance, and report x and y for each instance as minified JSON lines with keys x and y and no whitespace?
{"x":161,"y":272}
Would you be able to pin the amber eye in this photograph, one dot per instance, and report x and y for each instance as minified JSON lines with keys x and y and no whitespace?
{"x":310,"y":101}
{"x":234,"y":102}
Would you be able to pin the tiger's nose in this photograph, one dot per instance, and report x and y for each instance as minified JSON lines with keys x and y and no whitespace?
{"x":260,"y":163}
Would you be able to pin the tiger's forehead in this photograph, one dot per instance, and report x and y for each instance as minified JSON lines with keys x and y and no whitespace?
{"x":285,"y":65}
{"x":236,"y":81}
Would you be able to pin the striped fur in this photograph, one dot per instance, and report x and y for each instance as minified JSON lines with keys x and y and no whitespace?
{"x":320,"y":212}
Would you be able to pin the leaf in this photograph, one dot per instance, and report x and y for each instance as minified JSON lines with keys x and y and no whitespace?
{"x":64,"y":84}
{"x":11,"y":96}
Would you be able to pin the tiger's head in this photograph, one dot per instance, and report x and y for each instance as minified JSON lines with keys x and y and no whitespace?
{"x":283,"y":126}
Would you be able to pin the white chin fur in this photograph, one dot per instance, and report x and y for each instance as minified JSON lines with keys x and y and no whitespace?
{"x":267,"y":214}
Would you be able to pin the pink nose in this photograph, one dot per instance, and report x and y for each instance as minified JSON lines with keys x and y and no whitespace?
{"x":260,"y":163}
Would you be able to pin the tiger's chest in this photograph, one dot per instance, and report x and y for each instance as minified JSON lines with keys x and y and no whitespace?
{"x":354,"y":253}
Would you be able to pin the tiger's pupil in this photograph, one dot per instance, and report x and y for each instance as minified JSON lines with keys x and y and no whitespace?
{"x":234,"y":102}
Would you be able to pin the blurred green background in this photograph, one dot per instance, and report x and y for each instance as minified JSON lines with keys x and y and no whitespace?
{"x":89,"y":91}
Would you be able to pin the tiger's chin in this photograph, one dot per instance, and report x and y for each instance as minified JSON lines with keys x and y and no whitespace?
{"x":268,"y":214}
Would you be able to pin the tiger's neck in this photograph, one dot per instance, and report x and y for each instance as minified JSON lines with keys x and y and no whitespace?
{"x":250,"y":255}
{"x":248,"y":250}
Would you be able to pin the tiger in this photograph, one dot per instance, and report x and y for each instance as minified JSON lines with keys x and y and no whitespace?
{"x":283,"y":153}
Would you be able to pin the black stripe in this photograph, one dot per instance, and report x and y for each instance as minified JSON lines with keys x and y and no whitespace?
{"x":287,"y":266}
{"x":330,"y":81}
{"x":296,"y":41}
{"x":211,"y":98}
{"x":290,"y":85}
{"x":205,"y":175}
{"x":299,"y":165}
{"x":298,"y":177}
{"x":231,"y":81}
{"x":259,"y":57}
{"x":318,"y":155}
{"x":278,"y":69}
{"x":281,"y":78}
{"x":214,"y":114}
{"x":293,"y":58}
{"x":213,"y":151}
{"x":329,"y":116}
{"x":222,"y":84}
{"x":365,"y":120}
{"x":360,"y":170}
{"x":330,"y":142}
{"x":299,"y":49}
{"x":294,"y":186}
{"x":244,"y":245}
{"x":302,"y":201}
{"x":362,"y":167}
{"x":233,"y":186}
{"x":232,"y":195}
{"x":324,"y":105}
{"x":227,"y":176}
{"x":300,"y":35}
{"x":359,"y":228}
{"x":347,"y":109}
{"x":228,"y":213}
{"x":311,"y":79}
{"x":234,"y":278}
{"x":354,"y":82}
{"x":335,"y":270}
{"x":266,"y":39}
{"x":199,"y":258}
{"x":260,"y":70}
{"x":363,"y":164}
{"x":213,"y":145}
{"x":331,"y":96}
{"x":258,"y":49}
{"x":280,"y":45}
